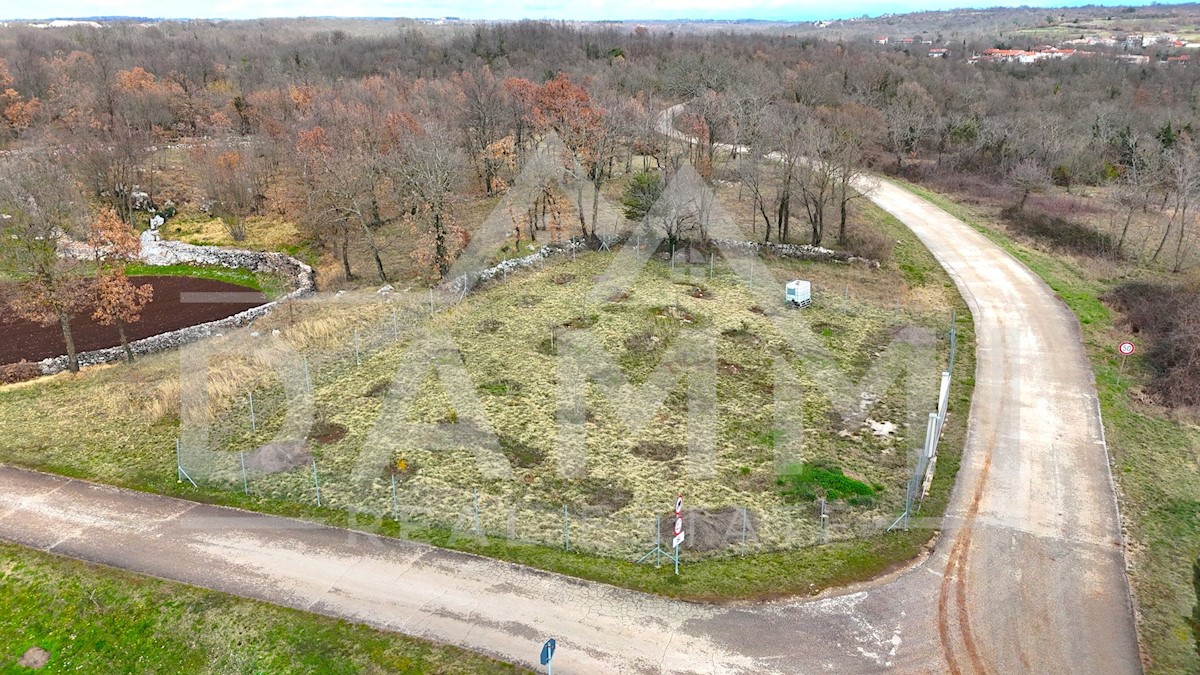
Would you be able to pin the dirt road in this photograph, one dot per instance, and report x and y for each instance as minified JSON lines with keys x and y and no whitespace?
{"x":1028,"y":574}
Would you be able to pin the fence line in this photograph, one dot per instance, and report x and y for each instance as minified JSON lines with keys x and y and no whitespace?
{"x":571,"y":528}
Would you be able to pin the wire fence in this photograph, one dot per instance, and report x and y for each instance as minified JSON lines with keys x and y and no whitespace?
{"x":270,"y":463}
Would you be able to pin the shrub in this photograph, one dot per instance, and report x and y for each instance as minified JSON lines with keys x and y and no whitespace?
{"x":1169,"y":316}
{"x":1059,"y":232}
{"x":1196,"y":610}
{"x":868,"y":243}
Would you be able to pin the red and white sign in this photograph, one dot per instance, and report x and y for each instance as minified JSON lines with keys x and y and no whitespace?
{"x":1126,"y":348}
{"x":679,"y":533}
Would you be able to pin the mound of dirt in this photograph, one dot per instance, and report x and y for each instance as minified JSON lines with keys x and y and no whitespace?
{"x":710,"y":530}
{"x":35,"y":658}
{"x":278,"y":457}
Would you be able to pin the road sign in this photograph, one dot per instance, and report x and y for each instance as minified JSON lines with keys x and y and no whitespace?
{"x":679,"y":505}
{"x":678,"y":540}
{"x":548,"y":651}
{"x":1126,"y":348}
{"x":678,"y":525}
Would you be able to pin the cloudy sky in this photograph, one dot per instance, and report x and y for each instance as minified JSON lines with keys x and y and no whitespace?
{"x":792,"y":10}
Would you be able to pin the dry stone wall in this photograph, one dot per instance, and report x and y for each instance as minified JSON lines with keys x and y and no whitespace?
{"x":161,"y":253}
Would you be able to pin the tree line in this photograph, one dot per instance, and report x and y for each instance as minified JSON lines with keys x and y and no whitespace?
{"x":353,"y":135}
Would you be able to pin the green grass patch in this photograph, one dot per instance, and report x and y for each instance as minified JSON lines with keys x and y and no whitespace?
{"x":808,"y":482}
{"x":1155,"y":458}
{"x":98,"y":620}
{"x":270,"y":285}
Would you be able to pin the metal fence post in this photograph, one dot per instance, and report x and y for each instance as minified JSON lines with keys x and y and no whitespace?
{"x":253,"y":420}
{"x":180,"y":472}
{"x":821,"y":539}
{"x":316,"y":481}
{"x":743,"y":531}
{"x":395,"y":505}
{"x":245,"y":483}
{"x":478,"y":529}
{"x":357,"y":360}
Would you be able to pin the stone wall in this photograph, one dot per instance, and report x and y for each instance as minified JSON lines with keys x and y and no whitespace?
{"x":463,"y":284}
{"x":178,"y":253}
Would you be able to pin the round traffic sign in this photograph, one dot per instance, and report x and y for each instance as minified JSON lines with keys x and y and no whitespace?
{"x":678,"y":525}
{"x":679,"y":505}
{"x":1126,"y":348}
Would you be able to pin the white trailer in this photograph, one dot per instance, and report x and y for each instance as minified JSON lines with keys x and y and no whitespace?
{"x":798,"y":293}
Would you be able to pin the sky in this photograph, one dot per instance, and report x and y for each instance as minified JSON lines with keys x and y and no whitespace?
{"x":781,"y":10}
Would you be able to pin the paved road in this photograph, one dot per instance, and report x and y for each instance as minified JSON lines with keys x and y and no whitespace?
{"x":1027,"y":576}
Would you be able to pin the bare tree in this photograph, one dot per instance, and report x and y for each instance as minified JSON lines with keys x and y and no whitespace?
{"x":1029,"y":176}
{"x":428,"y":171}
{"x":851,"y":131}
{"x":235,"y":183}
{"x":909,"y":116}
{"x":39,"y":206}
{"x":485,"y":120}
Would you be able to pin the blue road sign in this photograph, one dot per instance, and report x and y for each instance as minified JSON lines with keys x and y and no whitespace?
{"x":548,"y":652}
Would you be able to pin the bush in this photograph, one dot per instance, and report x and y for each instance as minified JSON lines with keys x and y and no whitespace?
{"x":19,"y":372}
{"x":1169,"y":316}
{"x":1059,"y":232}
{"x":1196,"y":610}
{"x":641,"y":194}
{"x":868,"y":243}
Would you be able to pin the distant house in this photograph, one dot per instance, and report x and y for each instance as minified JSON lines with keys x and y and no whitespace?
{"x":881,"y":39}
{"x":1181,"y":60}
{"x":907,"y":41}
{"x":1030,"y":56}
{"x":939,"y":53}
{"x":1133,"y":59}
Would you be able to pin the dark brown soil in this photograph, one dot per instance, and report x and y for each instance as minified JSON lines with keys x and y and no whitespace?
{"x":20,"y":339}
{"x":327,"y":432}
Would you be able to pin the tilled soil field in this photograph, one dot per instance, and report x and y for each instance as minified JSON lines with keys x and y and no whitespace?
{"x":205,"y":300}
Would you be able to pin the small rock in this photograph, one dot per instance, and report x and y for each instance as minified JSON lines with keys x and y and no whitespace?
{"x":35,"y":658}
{"x":254,"y":334}
{"x":386,"y":290}
{"x":275,"y":332}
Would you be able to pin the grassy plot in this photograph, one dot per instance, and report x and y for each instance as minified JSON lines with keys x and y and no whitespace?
{"x":1156,"y":459}
{"x":509,"y":338}
{"x":506,"y":338}
{"x":262,"y":234}
{"x":97,"y":620}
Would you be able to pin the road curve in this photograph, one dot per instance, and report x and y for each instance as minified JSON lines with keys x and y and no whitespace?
{"x":1028,"y":575}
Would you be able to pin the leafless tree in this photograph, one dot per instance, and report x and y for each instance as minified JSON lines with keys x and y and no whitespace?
{"x":1029,"y":176}
{"x":428,"y":172}
{"x":235,"y":184}
{"x":39,"y":206}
